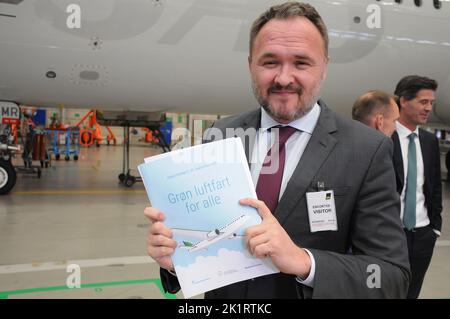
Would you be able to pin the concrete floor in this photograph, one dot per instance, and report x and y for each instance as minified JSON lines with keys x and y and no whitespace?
{"x":78,"y":213}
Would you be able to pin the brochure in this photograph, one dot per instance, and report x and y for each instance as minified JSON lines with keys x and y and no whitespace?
{"x":198,"y":189}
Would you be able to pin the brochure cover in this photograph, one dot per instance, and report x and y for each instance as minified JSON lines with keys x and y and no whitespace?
{"x":198,"y":189}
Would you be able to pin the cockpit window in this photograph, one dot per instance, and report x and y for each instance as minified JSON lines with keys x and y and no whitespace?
{"x":418,"y":3}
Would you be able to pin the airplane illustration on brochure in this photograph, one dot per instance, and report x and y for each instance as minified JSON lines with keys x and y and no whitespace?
{"x":210,"y":237}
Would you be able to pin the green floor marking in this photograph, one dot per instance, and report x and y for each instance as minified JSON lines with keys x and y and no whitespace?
{"x":156,"y":281}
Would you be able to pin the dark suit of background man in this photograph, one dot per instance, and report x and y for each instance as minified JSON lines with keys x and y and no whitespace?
{"x":418,"y":171}
{"x":288,"y":62}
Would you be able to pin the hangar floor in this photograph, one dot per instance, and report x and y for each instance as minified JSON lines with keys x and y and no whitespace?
{"x":77,"y":213}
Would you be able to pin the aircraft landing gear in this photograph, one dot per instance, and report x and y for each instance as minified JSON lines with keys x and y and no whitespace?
{"x":7,"y":176}
{"x":9,"y":116}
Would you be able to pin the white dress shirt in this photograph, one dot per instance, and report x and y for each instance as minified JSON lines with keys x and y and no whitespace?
{"x":295,"y":146}
{"x":403,"y":132}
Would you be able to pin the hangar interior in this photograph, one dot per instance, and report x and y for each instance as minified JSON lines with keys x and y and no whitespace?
{"x":78,"y":212}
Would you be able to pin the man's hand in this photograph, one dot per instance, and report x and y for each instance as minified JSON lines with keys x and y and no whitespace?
{"x":160,"y":245}
{"x":269,"y":239}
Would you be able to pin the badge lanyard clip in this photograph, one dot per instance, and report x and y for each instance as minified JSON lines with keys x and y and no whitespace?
{"x":320,"y":186}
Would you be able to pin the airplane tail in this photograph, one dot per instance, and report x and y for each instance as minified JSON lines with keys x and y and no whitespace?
{"x":185,"y":244}
{"x":190,"y":246}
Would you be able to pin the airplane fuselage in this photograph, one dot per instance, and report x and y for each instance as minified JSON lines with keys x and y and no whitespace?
{"x":228,"y":231}
{"x":191,"y":55}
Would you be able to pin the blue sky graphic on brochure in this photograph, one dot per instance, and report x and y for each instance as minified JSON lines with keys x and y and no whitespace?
{"x":199,"y":191}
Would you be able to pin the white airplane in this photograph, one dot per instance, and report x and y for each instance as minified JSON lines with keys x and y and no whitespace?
{"x":190,"y":56}
{"x":210,"y":237}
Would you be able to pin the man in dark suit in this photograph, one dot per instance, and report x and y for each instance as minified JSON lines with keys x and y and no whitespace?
{"x":418,"y":173}
{"x":318,"y":150}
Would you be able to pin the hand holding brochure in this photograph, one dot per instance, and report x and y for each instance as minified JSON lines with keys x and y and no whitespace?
{"x":198,"y":189}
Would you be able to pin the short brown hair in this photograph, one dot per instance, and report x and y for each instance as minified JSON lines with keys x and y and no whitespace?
{"x":290,"y":10}
{"x":370,"y":103}
{"x":410,"y":85}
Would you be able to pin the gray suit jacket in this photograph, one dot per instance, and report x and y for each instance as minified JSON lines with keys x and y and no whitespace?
{"x":356,"y":162}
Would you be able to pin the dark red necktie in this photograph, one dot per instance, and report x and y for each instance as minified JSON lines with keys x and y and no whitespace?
{"x":269,"y":181}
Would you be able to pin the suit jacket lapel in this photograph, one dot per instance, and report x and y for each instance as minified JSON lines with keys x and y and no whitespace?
{"x":319,"y":147}
{"x":425,"y":154}
{"x":398,"y":162}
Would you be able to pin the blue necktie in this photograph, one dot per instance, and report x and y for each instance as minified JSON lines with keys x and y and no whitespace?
{"x":409,"y":217}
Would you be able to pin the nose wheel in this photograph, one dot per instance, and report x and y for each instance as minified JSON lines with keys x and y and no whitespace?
{"x":8,"y":176}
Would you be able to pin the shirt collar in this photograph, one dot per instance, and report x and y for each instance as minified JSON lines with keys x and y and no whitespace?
{"x":403,"y":131}
{"x":306,"y":123}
